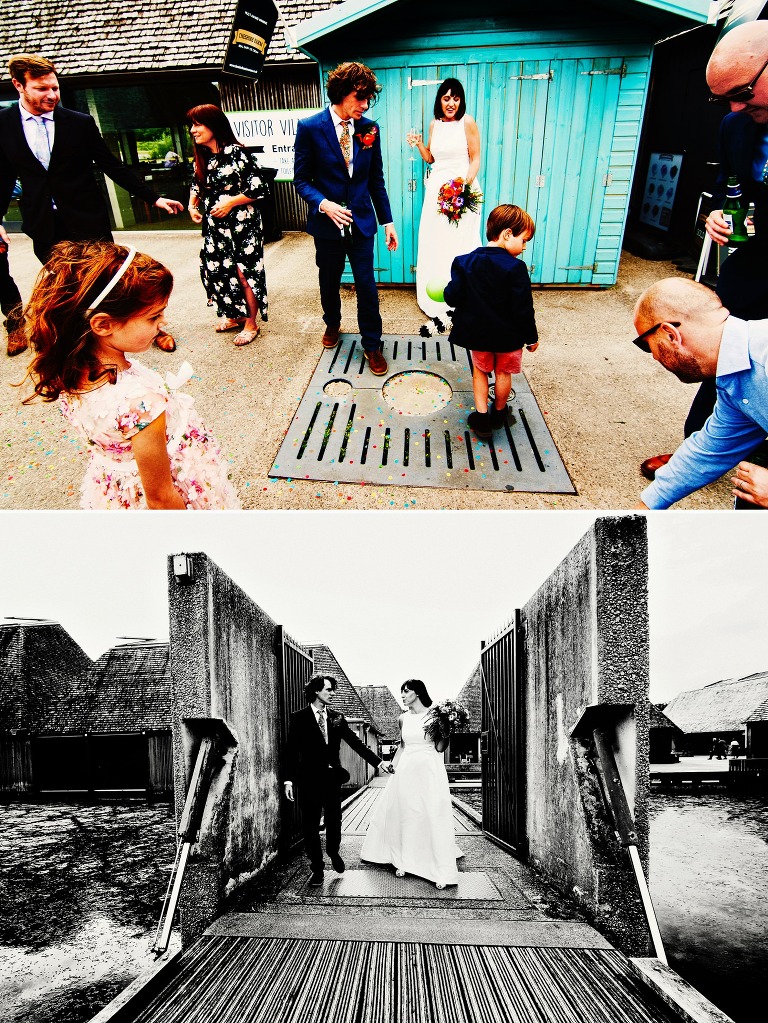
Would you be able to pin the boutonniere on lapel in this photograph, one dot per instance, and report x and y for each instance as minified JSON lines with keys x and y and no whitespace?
{"x":368,"y":137}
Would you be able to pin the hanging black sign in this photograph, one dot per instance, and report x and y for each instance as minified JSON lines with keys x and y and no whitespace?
{"x":252,"y":30}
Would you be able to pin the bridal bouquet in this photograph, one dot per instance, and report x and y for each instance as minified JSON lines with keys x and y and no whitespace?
{"x":456,"y":197}
{"x":444,"y":719}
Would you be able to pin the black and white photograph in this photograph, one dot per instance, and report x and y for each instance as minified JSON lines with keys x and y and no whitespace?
{"x":453,"y":319}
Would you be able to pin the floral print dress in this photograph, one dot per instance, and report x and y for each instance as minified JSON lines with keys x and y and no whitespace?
{"x":108,"y":417}
{"x":234,"y":240}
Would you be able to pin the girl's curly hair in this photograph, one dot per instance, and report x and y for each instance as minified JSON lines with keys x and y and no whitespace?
{"x":57,"y":329}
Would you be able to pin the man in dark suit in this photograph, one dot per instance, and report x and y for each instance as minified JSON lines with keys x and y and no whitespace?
{"x":52,"y":150}
{"x":737,"y":75}
{"x":313,"y":766}
{"x":338,"y":171}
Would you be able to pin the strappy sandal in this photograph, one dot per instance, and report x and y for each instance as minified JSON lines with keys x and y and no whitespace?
{"x":227,"y":325}
{"x":245,"y":337}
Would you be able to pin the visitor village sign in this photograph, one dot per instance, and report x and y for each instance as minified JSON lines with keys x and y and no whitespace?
{"x":275,"y":131}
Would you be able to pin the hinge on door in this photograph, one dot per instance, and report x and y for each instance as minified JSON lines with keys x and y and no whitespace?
{"x":414,"y":83}
{"x":607,"y":179}
{"x":540,"y":180}
{"x":532,"y":78}
{"x":609,"y":71}
{"x":589,"y":266}
{"x":412,"y":184}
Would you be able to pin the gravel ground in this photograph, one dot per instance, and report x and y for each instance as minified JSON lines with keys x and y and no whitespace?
{"x":607,"y":406}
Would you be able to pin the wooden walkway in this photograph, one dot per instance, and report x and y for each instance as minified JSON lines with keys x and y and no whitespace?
{"x":404,"y":954}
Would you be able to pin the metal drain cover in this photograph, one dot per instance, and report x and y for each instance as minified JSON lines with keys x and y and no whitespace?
{"x":345,"y":430}
{"x":366,"y":884}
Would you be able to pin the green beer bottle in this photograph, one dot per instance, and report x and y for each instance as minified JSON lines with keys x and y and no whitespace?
{"x":735,"y":213}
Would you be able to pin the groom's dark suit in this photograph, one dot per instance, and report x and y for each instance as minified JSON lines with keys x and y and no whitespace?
{"x":320,"y":173}
{"x":69,"y":183}
{"x":315,"y":768}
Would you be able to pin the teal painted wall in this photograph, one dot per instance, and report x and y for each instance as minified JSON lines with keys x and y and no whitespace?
{"x":559,"y":114}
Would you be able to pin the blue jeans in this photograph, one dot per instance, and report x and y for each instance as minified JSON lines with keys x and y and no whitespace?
{"x":329,"y":257}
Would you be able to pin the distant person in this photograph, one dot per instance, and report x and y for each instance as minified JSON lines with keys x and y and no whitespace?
{"x":686,"y":328}
{"x":94,"y":307}
{"x":313,"y":773}
{"x":339,"y":172}
{"x":60,"y":198}
{"x":226,"y":190}
{"x":172,"y":159}
{"x":722,"y":749}
{"x":412,"y":826}
{"x":452,"y":151}
{"x":490,"y":291}
{"x":715,"y":749}
{"x":734,"y":749}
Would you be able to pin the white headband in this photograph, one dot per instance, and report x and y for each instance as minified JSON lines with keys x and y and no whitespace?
{"x":102,"y":295}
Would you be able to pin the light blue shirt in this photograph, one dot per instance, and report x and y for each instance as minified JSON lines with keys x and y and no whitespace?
{"x":29,"y":123}
{"x":737,"y":425}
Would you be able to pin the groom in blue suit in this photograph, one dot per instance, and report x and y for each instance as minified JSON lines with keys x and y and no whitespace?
{"x":338,"y":172}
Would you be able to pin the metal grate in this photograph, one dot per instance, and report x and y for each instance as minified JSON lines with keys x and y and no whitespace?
{"x":285,"y":980}
{"x":367,"y":884}
{"x":358,"y":438}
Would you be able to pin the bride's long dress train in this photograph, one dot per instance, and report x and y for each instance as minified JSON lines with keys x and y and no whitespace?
{"x":412,"y":826}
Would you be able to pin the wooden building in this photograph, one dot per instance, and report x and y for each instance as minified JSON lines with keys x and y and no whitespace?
{"x":70,"y":725}
{"x":558,"y":92}
{"x":664,"y":737}
{"x":723,"y":710}
{"x":757,"y":731}
{"x":386,"y":713}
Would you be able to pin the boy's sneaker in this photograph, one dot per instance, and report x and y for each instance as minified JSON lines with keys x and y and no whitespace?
{"x":480,"y":424}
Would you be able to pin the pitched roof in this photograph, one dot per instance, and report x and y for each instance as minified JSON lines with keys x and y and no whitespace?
{"x":346,"y":699}
{"x":104,"y":37}
{"x":384,"y":707}
{"x":658,"y":719}
{"x":471,"y":696}
{"x":760,"y":713}
{"x":720,"y":707}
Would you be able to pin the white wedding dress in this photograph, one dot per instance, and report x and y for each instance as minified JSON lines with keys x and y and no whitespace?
{"x":412,"y":825}
{"x":440,"y":241}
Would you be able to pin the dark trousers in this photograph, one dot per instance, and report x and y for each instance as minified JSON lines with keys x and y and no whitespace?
{"x":10,"y":297}
{"x":63,"y":229}
{"x":329,"y":257}
{"x":324,"y":798}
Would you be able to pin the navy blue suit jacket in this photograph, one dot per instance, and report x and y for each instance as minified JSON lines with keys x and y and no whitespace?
{"x":491,"y":293}
{"x":69,"y":180}
{"x":319,"y":172}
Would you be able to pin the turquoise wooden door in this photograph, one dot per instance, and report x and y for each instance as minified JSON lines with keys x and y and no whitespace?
{"x":555,"y":132}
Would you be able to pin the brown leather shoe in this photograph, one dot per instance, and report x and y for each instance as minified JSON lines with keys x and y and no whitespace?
{"x":165,"y":343}
{"x":17,"y":341}
{"x":650,"y":466}
{"x":330,"y":338}
{"x":377,"y":363}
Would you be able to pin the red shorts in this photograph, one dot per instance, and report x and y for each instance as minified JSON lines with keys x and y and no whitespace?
{"x":499,"y":362}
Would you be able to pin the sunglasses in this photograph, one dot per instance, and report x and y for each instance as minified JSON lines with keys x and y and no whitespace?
{"x":640,"y":340}
{"x":742,"y":94}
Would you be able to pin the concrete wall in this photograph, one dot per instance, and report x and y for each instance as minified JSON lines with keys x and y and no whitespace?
{"x":224,"y":666}
{"x":585,"y":638}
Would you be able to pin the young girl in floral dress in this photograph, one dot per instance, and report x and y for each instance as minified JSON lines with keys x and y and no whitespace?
{"x":94,"y":307}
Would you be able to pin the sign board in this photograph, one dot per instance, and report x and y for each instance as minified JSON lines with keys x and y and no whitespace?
{"x":275,"y":131}
{"x":252,"y":30}
{"x":660,"y":189}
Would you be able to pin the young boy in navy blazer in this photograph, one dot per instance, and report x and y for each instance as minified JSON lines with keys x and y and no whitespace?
{"x":490,"y":291}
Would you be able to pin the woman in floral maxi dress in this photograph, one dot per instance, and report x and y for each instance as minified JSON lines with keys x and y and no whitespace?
{"x":226,"y":188}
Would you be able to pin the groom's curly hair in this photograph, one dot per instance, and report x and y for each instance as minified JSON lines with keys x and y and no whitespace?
{"x":351,"y":76}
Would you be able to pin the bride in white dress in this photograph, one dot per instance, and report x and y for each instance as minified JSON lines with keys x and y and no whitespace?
{"x":453,"y":151}
{"x":412,"y":826}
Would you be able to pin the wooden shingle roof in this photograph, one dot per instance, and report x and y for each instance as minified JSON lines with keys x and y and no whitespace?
{"x":385,"y":709}
{"x":471,"y":696}
{"x":720,"y":707}
{"x":104,"y":37}
{"x":760,"y":713}
{"x":346,"y":700}
{"x":658,"y":719}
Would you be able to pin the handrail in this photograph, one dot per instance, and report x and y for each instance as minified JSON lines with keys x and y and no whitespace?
{"x":189,"y":828}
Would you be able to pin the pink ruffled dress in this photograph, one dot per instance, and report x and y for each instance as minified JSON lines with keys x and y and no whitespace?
{"x":108,"y":417}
